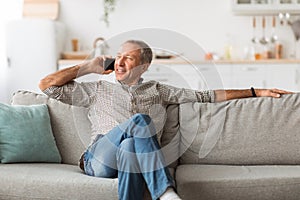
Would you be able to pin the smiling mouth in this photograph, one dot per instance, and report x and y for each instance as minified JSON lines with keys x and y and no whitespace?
{"x":120,"y":70}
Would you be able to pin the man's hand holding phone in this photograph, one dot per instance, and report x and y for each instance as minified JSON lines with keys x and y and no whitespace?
{"x":101,"y":65}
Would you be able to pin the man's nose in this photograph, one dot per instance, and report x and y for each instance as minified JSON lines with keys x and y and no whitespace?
{"x":120,"y":60}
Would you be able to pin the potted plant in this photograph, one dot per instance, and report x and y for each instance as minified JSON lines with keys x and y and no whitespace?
{"x":109,"y":7}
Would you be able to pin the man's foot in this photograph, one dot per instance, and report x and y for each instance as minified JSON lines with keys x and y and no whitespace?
{"x":169,"y":194}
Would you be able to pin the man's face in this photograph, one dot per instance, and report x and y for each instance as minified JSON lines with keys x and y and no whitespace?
{"x":127,"y":66}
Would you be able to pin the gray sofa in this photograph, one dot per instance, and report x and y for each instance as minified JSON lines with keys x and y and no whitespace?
{"x":239,"y":149}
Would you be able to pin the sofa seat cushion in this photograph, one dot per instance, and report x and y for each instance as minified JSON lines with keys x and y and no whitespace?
{"x":228,"y":182}
{"x":53,"y":181}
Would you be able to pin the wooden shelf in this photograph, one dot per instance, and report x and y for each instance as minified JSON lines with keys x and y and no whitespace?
{"x":180,"y":61}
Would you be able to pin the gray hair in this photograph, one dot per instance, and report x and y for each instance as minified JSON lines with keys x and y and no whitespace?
{"x":146,"y":52}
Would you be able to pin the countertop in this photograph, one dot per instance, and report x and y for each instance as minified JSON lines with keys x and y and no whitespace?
{"x":181,"y":61}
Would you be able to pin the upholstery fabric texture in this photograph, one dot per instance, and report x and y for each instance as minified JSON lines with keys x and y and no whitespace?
{"x":170,"y":139}
{"x":70,"y":124}
{"x":26,"y":135}
{"x":53,"y":182}
{"x":241,"y":132}
{"x":227,"y":182}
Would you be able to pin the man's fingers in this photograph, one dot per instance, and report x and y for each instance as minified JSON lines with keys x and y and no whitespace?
{"x":107,"y":72}
{"x":281,"y":91}
{"x":275,"y":94}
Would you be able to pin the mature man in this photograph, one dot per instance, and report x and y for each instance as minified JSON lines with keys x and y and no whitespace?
{"x":126,"y":123}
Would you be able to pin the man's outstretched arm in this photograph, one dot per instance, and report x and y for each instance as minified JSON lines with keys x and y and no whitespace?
{"x":223,"y":95}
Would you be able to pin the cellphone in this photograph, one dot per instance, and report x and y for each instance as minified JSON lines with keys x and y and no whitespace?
{"x":109,"y":64}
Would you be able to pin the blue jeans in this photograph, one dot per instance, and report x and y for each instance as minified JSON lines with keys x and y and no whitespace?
{"x":130,"y":151}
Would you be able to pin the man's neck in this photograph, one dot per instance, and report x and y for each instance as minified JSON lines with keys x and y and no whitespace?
{"x":139,"y":81}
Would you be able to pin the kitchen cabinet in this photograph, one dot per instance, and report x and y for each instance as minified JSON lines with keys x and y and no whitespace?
{"x":197,"y":76}
{"x":163,"y":74}
{"x":226,"y":75}
{"x":284,"y":76}
{"x":265,"y":7}
{"x":247,"y":75}
{"x":184,"y":76}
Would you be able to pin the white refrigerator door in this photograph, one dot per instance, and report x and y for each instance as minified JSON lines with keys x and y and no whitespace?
{"x":33,"y":49}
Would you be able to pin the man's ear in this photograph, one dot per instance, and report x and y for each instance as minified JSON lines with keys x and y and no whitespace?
{"x":145,"y":67}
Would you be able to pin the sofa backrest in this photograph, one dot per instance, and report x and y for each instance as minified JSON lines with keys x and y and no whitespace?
{"x":71,"y":127}
{"x":247,"y":131}
{"x":170,"y":138}
{"x":70,"y":124}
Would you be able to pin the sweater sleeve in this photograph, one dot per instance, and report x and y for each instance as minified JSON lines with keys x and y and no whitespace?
{"x":73,"y":93}
{"x":171,"y":94}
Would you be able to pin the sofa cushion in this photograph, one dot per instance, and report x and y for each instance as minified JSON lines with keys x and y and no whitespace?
{"x":70,"y":124}
{"x":261,"y":130}
{"x":215,"y":182}
{"x":53,"y":181}
{"x":170,"y":138}
{"x":26,"y":135}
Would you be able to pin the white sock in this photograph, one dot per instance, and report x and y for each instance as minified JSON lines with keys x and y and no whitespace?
{"x":169,"y":194}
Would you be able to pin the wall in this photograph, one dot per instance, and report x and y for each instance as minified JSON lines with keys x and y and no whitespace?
{"x":208,"y":23}
{"x":9,"y":10}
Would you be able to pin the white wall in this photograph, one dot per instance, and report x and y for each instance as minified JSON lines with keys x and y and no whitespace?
{"x":208,"y":22}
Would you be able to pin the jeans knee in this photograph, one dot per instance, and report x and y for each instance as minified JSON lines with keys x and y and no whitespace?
{"x":141,"y":119}
{"x":127,"y":145}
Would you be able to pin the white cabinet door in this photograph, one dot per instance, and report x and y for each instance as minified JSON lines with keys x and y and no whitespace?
{"x":283,"y":76}
{"x":204,"y":76}
{"x":197,"y":77}
{"x":225,"y":72}
{"x":211,"y":77}
{"x":247,"y":75}
{"x":191,"y":75}
{"x":200,"y":76}
{"x":178,"y":75}
{"x":166,"y":74}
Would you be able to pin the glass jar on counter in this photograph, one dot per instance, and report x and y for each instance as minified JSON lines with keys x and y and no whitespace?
{"x":258,"y":51}
{"x":278,"y":51}
{"x":267,"y":51}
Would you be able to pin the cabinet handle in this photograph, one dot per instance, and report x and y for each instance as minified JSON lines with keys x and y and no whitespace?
{"x":297,"y":76}
{"x":8,"y":62}
{"x":250,"y":68}
{"x":203,"y":69}
{"x":264,"y":83}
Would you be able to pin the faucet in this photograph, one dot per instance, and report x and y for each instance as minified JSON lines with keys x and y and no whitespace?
{"x":100,"y":46}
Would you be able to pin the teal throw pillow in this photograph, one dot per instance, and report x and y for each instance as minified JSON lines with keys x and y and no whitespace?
{"x":26,"y":134}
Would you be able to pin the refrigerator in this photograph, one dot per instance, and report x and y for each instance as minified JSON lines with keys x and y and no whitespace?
{"x":33,"y":48}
